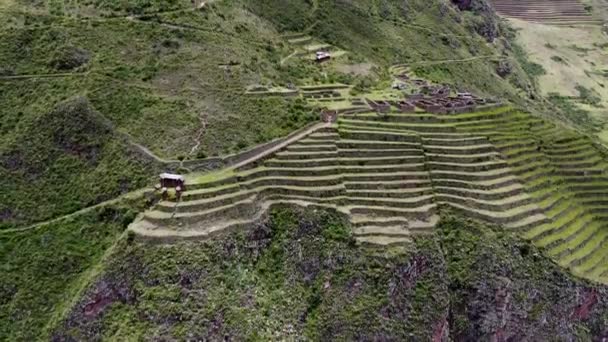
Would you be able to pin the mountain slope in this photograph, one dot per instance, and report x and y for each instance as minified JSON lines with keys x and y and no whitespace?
{"x":299,"y":274}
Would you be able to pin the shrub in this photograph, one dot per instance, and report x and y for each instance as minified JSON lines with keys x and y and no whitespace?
{"x":69,"y":58}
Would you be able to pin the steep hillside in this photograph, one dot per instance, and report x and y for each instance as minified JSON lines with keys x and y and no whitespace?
{"x":440,"y":197}
{"x":299,"y":274}
{"x":170,"y":79}
{"x":567,"y":41}
{"x":43,"y":269}
{"x":63,"y":159}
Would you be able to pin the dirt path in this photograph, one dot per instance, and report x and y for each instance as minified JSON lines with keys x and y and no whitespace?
{"x":462,"y":60}
{"x":199,"y":135}
{"x":22,"y":77}
{"x":288,"y":57}
{"x":140,"y":192}
{"x":78,"y":212}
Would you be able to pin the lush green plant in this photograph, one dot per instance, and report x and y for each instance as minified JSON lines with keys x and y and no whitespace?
{"x":43,"y":268}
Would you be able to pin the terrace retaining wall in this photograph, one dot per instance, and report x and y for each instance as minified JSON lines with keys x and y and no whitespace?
{"x":215,"y":163}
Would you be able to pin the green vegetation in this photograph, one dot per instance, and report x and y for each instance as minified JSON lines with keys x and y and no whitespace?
{"x":532,"y":69}
{"x":588,"y":96}
{"x":44,"y":268}
{"x":96,"y":93}
{"x":574,"y":113}
{"x":59,"y":161}
{"x":559,"y":59}
{"x":301,"y":275}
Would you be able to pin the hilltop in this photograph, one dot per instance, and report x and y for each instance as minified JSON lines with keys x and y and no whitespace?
{"x":422,"y":182}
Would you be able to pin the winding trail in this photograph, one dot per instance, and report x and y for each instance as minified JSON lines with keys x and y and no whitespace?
{"x":462,"y":60}
{"x":140,"y":192}
{"x":199,"y":135}
{"x":131,"y":194}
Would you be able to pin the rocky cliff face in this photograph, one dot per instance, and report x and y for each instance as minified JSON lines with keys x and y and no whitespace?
{"x":299,"y":274}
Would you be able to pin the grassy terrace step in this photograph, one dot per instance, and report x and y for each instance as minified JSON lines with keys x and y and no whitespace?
{"x":419,"y":226}
{"x":580,"y":173}
{"x":521,"y":152}
{"x":378,"y":135}
{"x":371,"y":153}
{"x":390,"y":193}
{"x":588,"y":187}
{"x":419,"y":213}
{"x":204,"y":204}
{"x":566,"y":226}
{"x":593,"y":162}
{"x":376,"y":144}
{"x":376,"y":129}
{"x":493,"y":123}
{"x":318,"y":191}
{"x":431,"y":118}
{"x":538,"y":178}
{"x":464,"y":158}
{"x":387,"y":177}
{"x":472,"y":167}
{"x":600,"y":270}
{"x":457,"y":140}
{"x":577,"y":233}
{"x":589,"y":256}
{"x":570,"y":148}
{"x":566,"y":157}
{"x":387,"y":231}
{"x":467,"y":149}
{"x":477,"y":176}
{"x":496,"y":194}
{"x":304,"y":163}
{"x":366,"y":161}
{"x":192,"y":195}
{"x":532,"y":171}
{"x":291,"y":155}
{"x":393,"y":126}
{"x":507,"y":217}
{"x":527,"y":222}
{"x":591,"y":193}
{"x":353,"y":173}
{"x":323,"y":136}
{"x":238,"y":209}
{"x":395,"y":117}
{"x":383,"y":240}
{"x":379,"y":185}
{"x":488,"y":185}
{"x":389,"y":202}
{"x":585,"y":179}
{"x":601,"y":200}
{"x":312,"y":148}
{"x":318,"y":141}
{"x":505,"y":127}
{"x":498,"y":205}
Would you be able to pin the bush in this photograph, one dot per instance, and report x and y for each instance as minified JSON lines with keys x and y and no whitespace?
{"x":69,"y":58}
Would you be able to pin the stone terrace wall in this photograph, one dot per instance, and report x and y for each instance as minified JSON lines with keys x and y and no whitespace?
{"x":215,"y":163}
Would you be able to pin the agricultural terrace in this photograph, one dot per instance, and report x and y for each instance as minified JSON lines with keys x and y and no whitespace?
{"x":393,"y":173}
{"x":551,"y":12}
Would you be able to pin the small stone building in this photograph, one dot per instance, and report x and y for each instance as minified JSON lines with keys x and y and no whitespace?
{"x":169,"y":180}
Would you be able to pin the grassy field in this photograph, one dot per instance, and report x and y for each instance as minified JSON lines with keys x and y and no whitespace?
{"x":574,"y":60}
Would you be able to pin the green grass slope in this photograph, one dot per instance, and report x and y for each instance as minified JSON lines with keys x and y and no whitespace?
{"x":62,"y":160}
{"x":299,"y":275}
{"x":171,"y":76}
{"x":44,"y":268}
